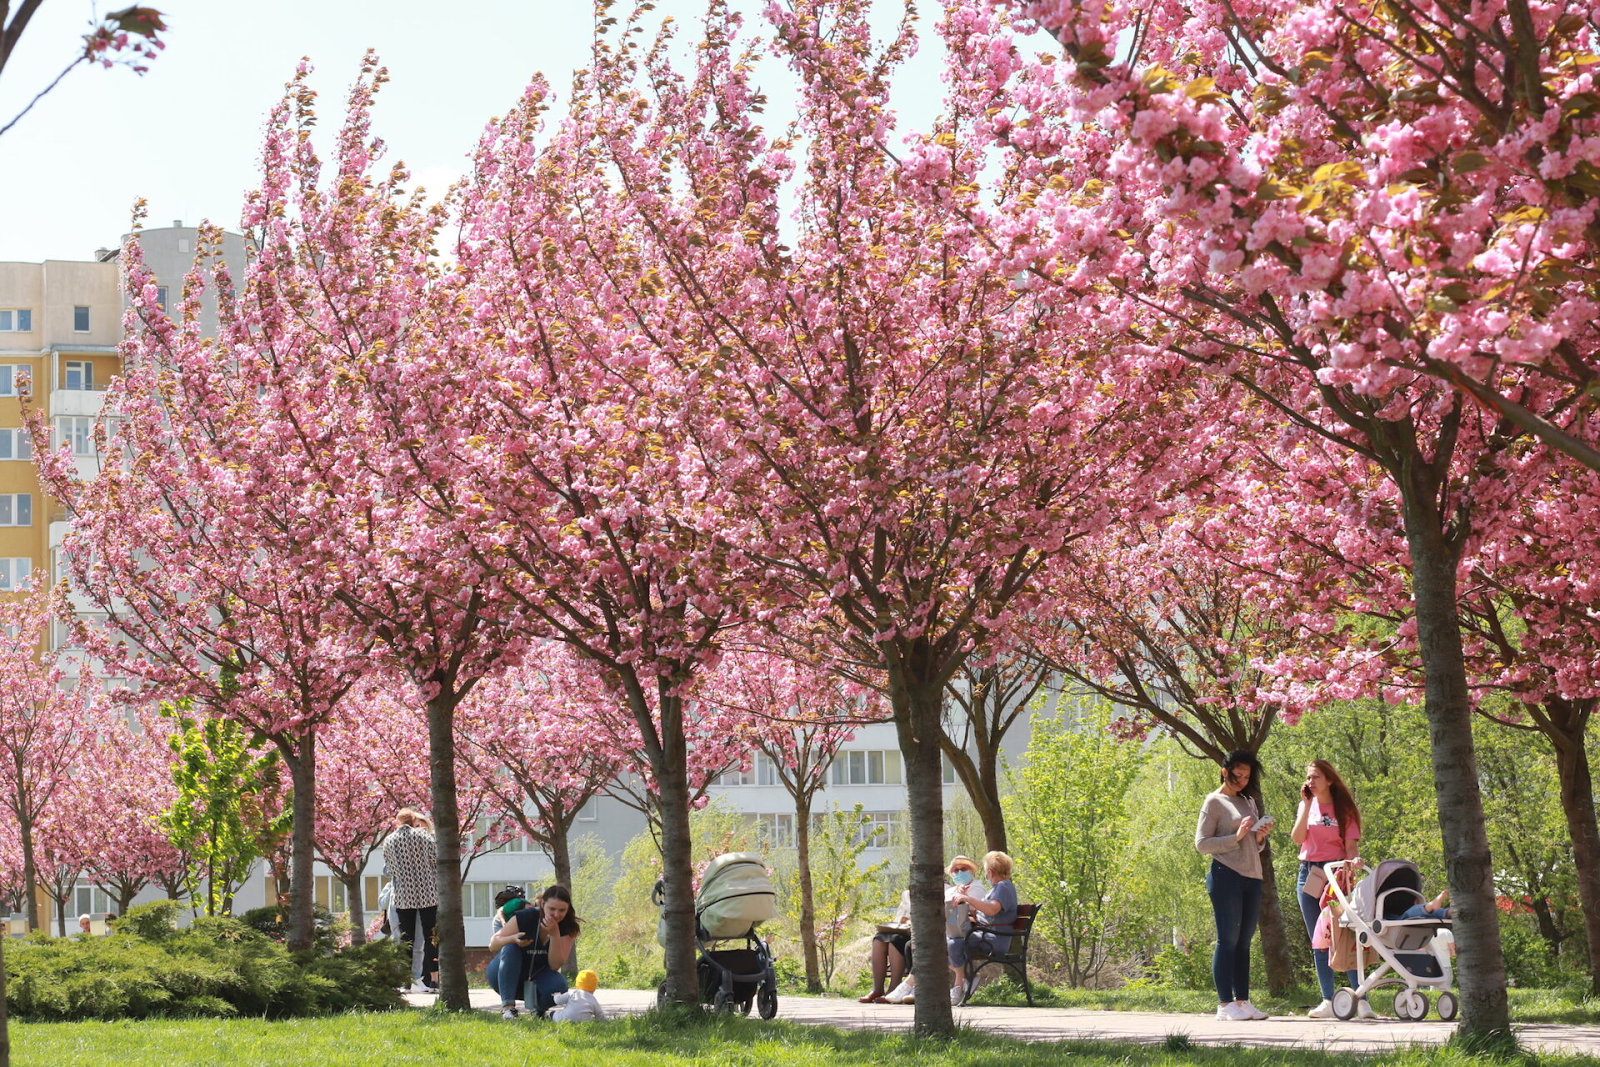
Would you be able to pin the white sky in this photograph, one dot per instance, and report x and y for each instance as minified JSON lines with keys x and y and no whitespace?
{"x":186,"y":136}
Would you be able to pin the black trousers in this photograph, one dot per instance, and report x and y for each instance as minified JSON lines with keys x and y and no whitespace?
{"x":429,"y":920}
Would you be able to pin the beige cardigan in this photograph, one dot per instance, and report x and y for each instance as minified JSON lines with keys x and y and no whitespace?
{"x":1220,"y":817}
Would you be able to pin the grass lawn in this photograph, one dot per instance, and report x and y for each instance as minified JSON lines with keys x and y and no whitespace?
{"x":406,"y":1038}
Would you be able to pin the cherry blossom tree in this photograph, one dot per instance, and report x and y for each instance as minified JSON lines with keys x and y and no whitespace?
{"x":1372,"y":219}
{"x":802,"y":713}
{"x":130,"y":37}
{"x":197,"y":605}
{"x":125,"y":772}
{"x":366,"y":762}
{"x":43,"y":724}
{"x":534,"y":737}
{"x":905,"y":434}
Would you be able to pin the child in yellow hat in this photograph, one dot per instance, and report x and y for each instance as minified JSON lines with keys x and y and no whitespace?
{"x":579,"y":1005}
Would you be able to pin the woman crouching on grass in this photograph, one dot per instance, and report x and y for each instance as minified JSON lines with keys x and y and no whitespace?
{"x":535,"y":944}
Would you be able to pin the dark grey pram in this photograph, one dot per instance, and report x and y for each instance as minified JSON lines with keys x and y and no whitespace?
{"x":735,"y":897}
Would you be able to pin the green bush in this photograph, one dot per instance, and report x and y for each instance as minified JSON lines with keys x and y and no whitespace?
{"x":1173,"y":968}
{"x":218,"y":967}
{"x":327,"y":929}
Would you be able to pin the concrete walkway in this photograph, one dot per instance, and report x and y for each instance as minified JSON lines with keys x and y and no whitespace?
{"x":1080,"y":1024}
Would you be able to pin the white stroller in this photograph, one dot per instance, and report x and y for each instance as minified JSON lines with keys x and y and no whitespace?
{"x":736,"y":896}
{"x":1414,"y":953}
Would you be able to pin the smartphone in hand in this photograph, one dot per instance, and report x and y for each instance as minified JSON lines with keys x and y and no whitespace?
{"x":1267,"y":822}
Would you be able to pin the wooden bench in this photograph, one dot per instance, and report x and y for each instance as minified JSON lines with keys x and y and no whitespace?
{"x":1013,"y":959}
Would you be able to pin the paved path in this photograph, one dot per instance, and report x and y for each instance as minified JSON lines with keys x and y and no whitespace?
{"x":1082,"y":1024}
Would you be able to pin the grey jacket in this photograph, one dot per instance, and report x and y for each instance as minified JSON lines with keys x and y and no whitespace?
{"x":1220,"y":817}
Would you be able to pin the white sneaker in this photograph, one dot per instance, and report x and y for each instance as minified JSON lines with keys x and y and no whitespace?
{"x":955,"y":996}
{"x":1254,"y":1012}
{"x":508,"y":1013}
{"x":1364,"y":1011}
{"x":899,"y":993}
{"x":1322,"y":1011}
{"x":1231,"y":1012}
{"x":418,"y":987}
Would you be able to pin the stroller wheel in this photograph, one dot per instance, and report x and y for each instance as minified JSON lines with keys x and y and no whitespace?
{"x":1411,"y":1004}
{"x":767,"y":1000}
{"x":1344,"y":1003}
{"x":746,"y":1005}
{"x":722,"y":1004}
{"x":1447,"y":1006}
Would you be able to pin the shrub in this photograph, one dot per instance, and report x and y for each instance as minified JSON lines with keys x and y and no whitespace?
{"x":217,"y":967}
{"x":327,"y":929}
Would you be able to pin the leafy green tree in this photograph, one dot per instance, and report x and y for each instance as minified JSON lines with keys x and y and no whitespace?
{"x":230,"y":808}
{"x":1073,"y":834}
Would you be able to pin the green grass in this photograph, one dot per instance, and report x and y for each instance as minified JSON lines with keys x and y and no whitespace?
{"x":410,"y":1038}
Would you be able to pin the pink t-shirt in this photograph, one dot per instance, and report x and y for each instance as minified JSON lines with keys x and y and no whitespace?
{"x":1323,"y":840}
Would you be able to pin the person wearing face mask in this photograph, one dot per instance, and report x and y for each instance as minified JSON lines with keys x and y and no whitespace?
{"x":961,"y":871}
{"x":1230,"y":831}
{"x":996,"y":908}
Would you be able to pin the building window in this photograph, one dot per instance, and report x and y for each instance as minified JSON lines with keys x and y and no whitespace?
{"x":15,"y":379}
{"x":15,"y":444}
{"x":14,"y":571}
{"x":883,"y":829}
{"x":80,"y":319}
{"x":78,"y":430}
{"x":89,"y":900}
{"x":775,"y":831}
{"x":77,"y":374}
{"x":736,"y":776}
{"x":16,"y":320}
{"x":590,"y":812}
{"x":161,"y":297}
{"x":477,"y":899}
{"x":16,"y":509}
{"x":949,"y":771}
{"x":867,"y":767}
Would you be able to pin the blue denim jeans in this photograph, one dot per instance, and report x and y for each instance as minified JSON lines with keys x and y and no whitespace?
{"x":505,"y":973}
{"x":1309,"y":911}
{"x":1236,"y":906}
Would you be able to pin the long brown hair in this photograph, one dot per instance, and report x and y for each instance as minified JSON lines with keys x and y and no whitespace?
{"x":1344,"y":802}
{"x":570,"y":925}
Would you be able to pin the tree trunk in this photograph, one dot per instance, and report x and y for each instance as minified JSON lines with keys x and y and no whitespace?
{"x":560,"y":839}
{"x":987,"y":802}
{"x":1577,"y":804}
{"x":5,"y":1021}
{"x":61,"y":915}
{"x":450,"y":931}
{"x":302,"y":761}
{"x":358,"y":911}
{"x":917,"y":712}
{"x":30,"y":874}
{"x":808,"y":906}
{"x":1274,"y":935}
{"x":561,"y":851}
{"x":1481,"y":970}
{"x":677,"y":860}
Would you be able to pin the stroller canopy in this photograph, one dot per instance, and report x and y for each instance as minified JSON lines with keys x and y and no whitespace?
{"x":735,"y":894}
{"x":1390,"y":874}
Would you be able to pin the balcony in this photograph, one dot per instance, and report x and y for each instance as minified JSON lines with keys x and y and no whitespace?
{"x":77,"y":401}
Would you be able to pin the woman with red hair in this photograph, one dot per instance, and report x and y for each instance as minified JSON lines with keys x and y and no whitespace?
{"x":1327,"y":827}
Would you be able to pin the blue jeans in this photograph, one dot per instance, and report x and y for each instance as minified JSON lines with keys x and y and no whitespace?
{"x":1310,"y":910}
{"x":505,"y":973}
{"x":1422,"y":911}
{"x":1236,"y":906}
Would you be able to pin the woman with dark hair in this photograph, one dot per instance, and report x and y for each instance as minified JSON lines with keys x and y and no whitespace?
{"x":534,"y":944}
{"x":1230,"y":831}
{"x":1327,"y":827}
